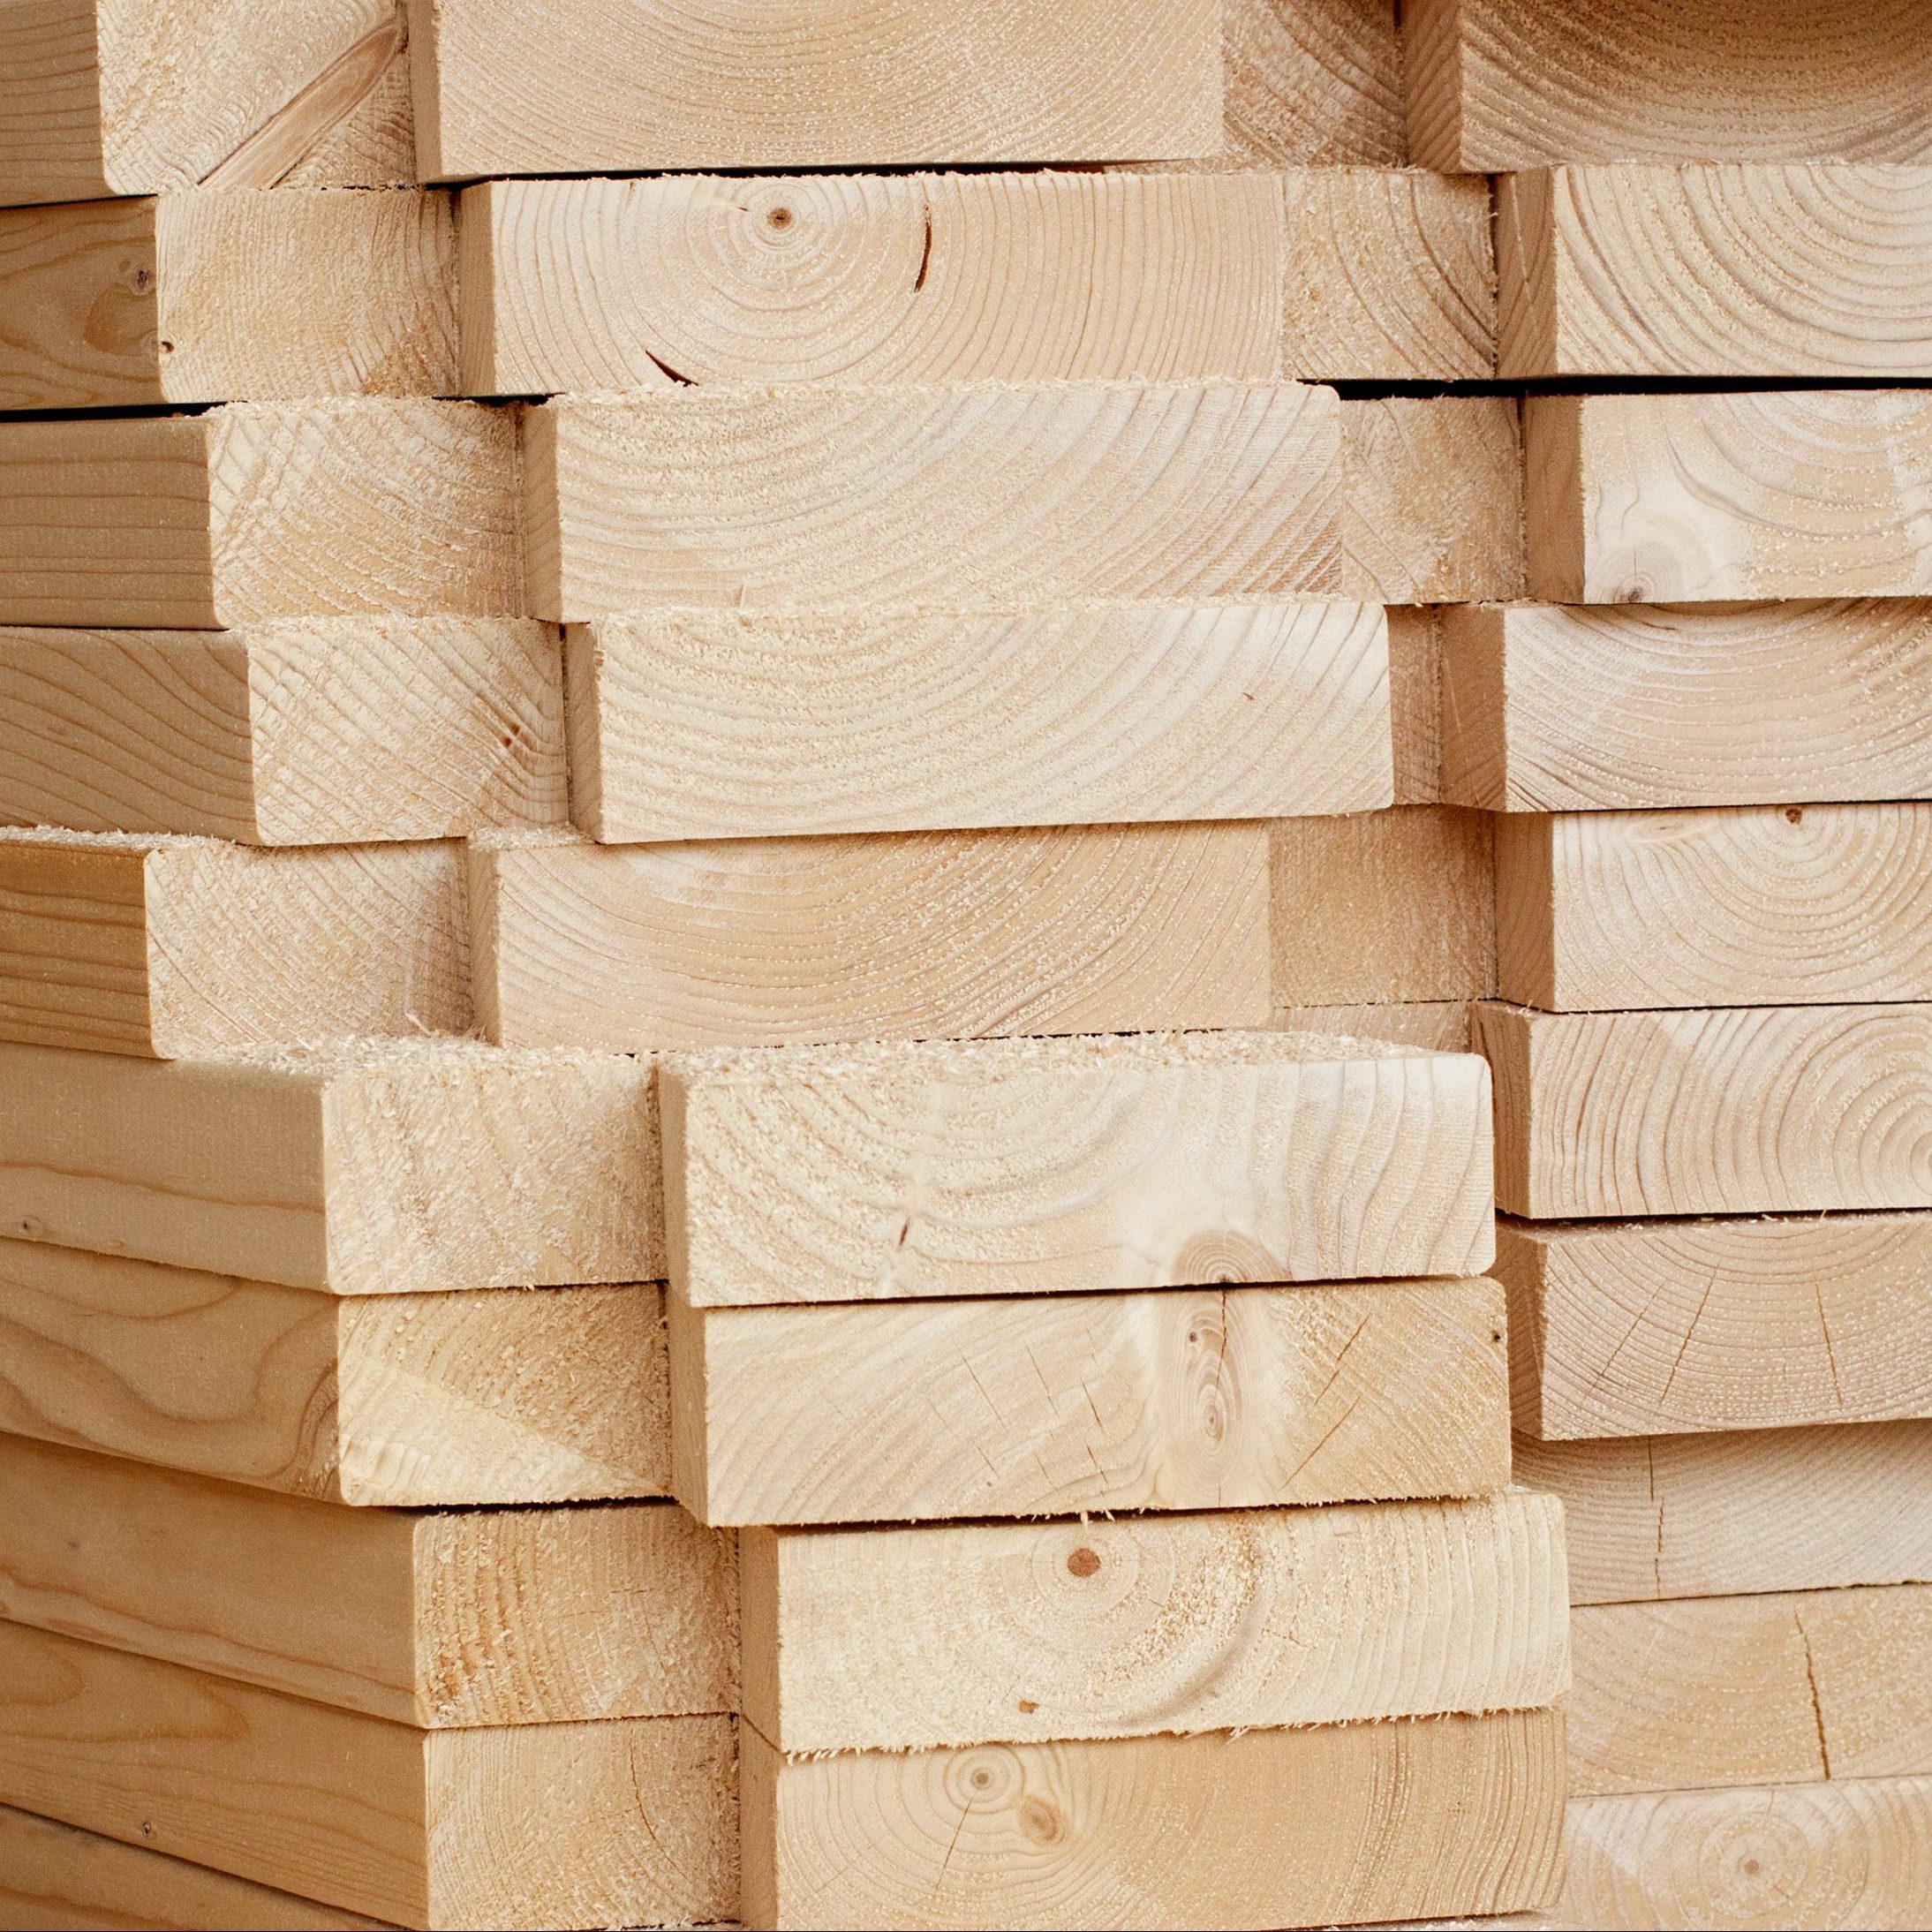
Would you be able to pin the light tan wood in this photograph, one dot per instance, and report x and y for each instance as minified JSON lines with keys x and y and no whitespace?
{"x":212,"y":296}
{"x":1495,"y":86}
{"x":1442,"y":1025}
{"x":260,"y":510}
{"x":310,"y":731}
{"x":1564,"y":710}
{"x":1795,"y":269}
{"x":481,"y":1396}
{"x":174,"y":948}
{"x":390,"y":1168}
{"x":1027,"y":1166}
{"x":1319,"y":81}
{"x":988,"y":495}
{"x":725,"y":724}
{"x":1351,"y":1822}
{"x":526,"y":1825}
{"x":1416,"y":669}
{"x":54,"y":1878}
{"x":755,"y":942}
{"x":1034,"y":1633}
{"x":1727,"y":497}
{"x":485,"y":1617}
{"x":1760,"y":1510}
{"x":1032,"y":1405}
{"x":1750,"y":1109}
{"x":119,"y":97}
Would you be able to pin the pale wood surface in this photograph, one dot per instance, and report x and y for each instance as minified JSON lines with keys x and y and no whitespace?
{"x":1024,"y":1166}
{"x":1561,"y":710}
{"x":754,"y":942}
{"x":175,"y":948}
{"x":1350,"y":1822}
{"x":981,"y":493}
{"x":1440,"y":1025}
{"x":727,"y":724}
{"x":1800,"y":270}
{"x":393,"y":1167}
{"x":1029,"y":1405}
{"x":1749,"y":1110}
{"x":1495,"y":86}
{"x":483,"y":1396}
{"x":1757,"y":1510}
{"x":260,"y":510}
{"x":1728,"y":497}
{"x":1415,"y":672}
{"x":1320,"y":80}
{"x":529,"y":1825}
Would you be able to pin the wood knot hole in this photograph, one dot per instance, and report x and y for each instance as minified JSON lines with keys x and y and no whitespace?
{"x":1082,"y":1562}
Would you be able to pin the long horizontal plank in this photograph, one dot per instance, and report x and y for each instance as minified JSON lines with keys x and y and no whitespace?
{"x":218,"y":297}
{"x":752,"y":942}
{"x":258,"y":510}
{"x":308,"y":731}
{"x":625,"y":1821}
{"x":1038,"y":1404}
{"x":395,"y":1166}
{"x":1318,"y":81}
{"x":1037,"y":1632}
{"x":700,"y":724}
{"x":1796,"y":270}
{"x":1772,"y":1509}
{"x":1027,"y":1166}
{"x":456,"y":1620}
{"x":974,"y":495}
{"x":1745,"y":1111}
{"x":1728,"y":497}
{"x":1546,"y":709}
{"x":1347,"y":1823}
{"x":484,"y":1396}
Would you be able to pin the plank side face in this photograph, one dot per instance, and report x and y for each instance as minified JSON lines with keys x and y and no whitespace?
{"x":82,"y":301}
{"x":1319,"y":82}
{"x":1284,"y":1827}
{"x":1237,"y":1398}
{"x":498,"y":85}
{"x":979,"y":494}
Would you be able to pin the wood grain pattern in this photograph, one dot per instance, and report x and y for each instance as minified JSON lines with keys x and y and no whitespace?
{"x":397,"y":1167}
{"x":527,"y":1825}
{"x":987,"y":496}
{"x":1740,"y":1110}
{"x":1024,"y":1166}
{"x":1030,"y":1405}
{"x":755,"y":942}
{"x":478,"y":1396}
{"x":1442,"y":1025}
{"x":1340,"y":1822}
{"x":728,"y":724}
{"x":486,"y":1617}
{"x":1320,"y":80}
{"x":1564,"y":710}
{"x":1728,"y":497}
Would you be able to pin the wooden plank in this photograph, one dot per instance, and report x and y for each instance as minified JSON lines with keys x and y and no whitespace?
{"x":975,"y":495}
{"x":260,"y":510}
{"x":1764,"y":905}
{"x":1763,"y":1510}
{"x":909,"y":936}
{"x":1032,"y":1405}
{"x":914,"y":1639}
{"x":1562,"y":710}
{"x":702,"y":724}
{"x":1028,"y":1166}
{"x":1741,"y":1111}
{"x":478,"y":1396}
{"x":1718,"y":497}
{"x":1339,"y":1822}
{"x":214,"y":296}
{"x":1495,"y":86}
{"x":310,"y":731}
{"x":1794,"y":269}
{"x":1442,"y":1025}
{"x":624,"y":1611}
{"x":523,"y":1825}
{"x":393,"y":1167}
{"x":1319,"y":82}
{"x":99,"y":99}
{"x":498,"y":84}
{"x":1415,"y":650}
{"x":175,"y":948}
